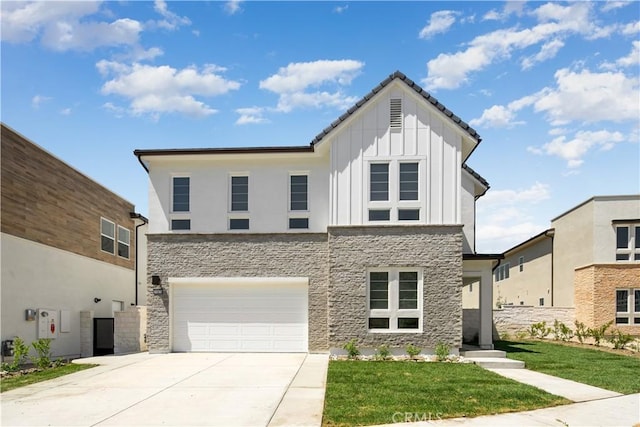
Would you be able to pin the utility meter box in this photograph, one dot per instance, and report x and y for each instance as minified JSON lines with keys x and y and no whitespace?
{"x":48,"y":323}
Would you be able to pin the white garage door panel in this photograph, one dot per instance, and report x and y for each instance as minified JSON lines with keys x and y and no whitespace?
{"x":268,"y":317}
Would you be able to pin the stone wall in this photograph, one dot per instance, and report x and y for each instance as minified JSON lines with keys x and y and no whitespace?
{"x":86,"y":333}
{"x":513,"y":319}
{"x":595,"y":290}
{"x":436,"y":250}
{"x":130,"y":328}
{"x":237,"y":255}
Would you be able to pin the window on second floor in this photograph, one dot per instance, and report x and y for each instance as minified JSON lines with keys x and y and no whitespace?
{"x":181,"y":186}
{"x":239,"y":193}
{"x":107,"y":236}
{"x":628,"y":242}
{"x":124,"y":239}
{"x":521,"y":263}
{"x":502,"y":272}
{"x":394,"y":191}
{"x":298,"y":193}
{"x":379,"y":182}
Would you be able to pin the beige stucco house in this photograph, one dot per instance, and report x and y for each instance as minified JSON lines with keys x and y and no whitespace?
{"x":589,"y":259}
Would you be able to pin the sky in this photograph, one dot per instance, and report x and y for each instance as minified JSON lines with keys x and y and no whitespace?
{"x":552,"y":87}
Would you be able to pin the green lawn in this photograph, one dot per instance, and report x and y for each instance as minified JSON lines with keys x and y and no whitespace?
{"x":9,"y":383}
{"x":594,"y":367}
{"x":361,"y":393}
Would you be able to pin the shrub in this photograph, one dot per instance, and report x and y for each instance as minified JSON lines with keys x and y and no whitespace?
{"x":352,"y":349}
{"x":505,"y":336}
{"x":520,"y":335}
{"x":20,"y":353}
{"x":539,"y":330}
{"x":442,"y":352}
{"x":620,"y":340}
{"x":599,"y":332}
{"x":561,"y":331}
{"x":581,"y":331}
{"x":412,"y":351}
{"x":383,"y":352}
{"x":43,"y":350}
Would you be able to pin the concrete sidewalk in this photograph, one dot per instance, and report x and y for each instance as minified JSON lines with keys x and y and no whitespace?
{"x":568,"y":389}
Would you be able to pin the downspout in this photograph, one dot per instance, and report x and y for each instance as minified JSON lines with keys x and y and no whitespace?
{"x":551,"y":237}
{"x":144,"y":220}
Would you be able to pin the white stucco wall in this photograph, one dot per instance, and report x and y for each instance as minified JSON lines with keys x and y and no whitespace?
{"x":210,"y":191}
{"x":39,"y":276}
{"x":605,"y":210}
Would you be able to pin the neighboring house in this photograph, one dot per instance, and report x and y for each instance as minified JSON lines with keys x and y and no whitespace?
{"x":68,"y":246}
{"x":366,"y":234}
{"x":589,"y":259}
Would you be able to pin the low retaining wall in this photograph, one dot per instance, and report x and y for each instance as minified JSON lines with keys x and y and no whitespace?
{"x":130,"y":327}
{"x":513,"y":319}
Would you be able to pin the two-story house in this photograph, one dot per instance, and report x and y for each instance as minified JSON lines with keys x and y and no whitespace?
{"x":589,"y":259}
{"x":69,"y":246}
{"x":366,"y":234}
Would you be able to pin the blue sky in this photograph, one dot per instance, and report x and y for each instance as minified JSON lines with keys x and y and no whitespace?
{"x":552,"y":87}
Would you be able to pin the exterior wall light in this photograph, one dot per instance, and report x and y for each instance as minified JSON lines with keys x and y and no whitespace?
{"x":157,"y":285}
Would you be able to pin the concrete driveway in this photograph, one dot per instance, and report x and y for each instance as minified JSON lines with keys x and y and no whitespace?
{"x":178,"y":389}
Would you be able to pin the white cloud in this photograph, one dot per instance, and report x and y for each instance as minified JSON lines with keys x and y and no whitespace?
{"x":155,"y":90}
{"x":232,"y":7}
{"x":510,"y":8}
{"x":117,"y":111}
{"x":64,"y":36}
{"x":451,"y":70}
{"x":611,"y":5}
{"x":65,"y":111}
{"x":251,"y":115}
{"x":504,"y":219}
{"x":292,"y":84}
{"x":341,"y":9}
{"x":171,"y":20}
{"x":631,"y":60}
{"x":590,"y":97}
{"x":631,"y":28}
{"x":439,"y":22}
{"x":497,"y":116}
{"x":547,"y":51}
{"x":575,"y":149}
{"x":38,"y":100}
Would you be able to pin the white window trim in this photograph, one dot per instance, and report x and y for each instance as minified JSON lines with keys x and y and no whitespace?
{"x":114,"y":238}
{"x":171,"y":211}
{"x":301,"y":214}
{"x":630,"y":314}
{"x":127,"y":243}
{"x":393,"y":312}
{"x":394,"y":203}
{"x":631,"y":251}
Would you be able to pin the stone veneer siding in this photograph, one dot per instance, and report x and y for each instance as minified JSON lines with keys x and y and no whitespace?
{"x":595,"y":293}
{"x":437,"y":250}
{"x":237,"y":255}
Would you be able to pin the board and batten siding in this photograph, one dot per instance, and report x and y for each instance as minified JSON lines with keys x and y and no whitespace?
{"x":425,"y":136}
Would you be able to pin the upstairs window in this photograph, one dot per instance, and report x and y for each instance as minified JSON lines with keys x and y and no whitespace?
{"x":239,"y":193}
{"x":628,"y":242}
{"x":298,"y":193}
{"x":409,"y":181}
{"x":521,"y":263}
{"x":502,"y":272}
{"x":379,"y":182}
{"x":107,"y":236}
{"x":181,"y":193}
{"x":124,"y":236}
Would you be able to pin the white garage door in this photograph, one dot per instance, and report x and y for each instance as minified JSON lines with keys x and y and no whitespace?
{"x":239,"y":314}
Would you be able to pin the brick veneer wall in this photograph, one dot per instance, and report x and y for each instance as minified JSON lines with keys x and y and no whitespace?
{"x":595,"y":291}
{"x":238,"y":255}
{"x":435,"y":249}
{"x":46,"y":201}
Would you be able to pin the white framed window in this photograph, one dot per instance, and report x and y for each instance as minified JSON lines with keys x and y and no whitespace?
{"x":627,"y":306}
{"x":521,"y":263}
{"x":502,"y":272}
{"x":394,"y":300}
{"x":124,"y":239}
{"x":394,"y":191}
{"x":627,"y":242}
{"x":298,"y":201}
{"x":239,"y":193}
{"x":180,"y":224}
{"x":181,"y":189}
{"x":107,"y":236}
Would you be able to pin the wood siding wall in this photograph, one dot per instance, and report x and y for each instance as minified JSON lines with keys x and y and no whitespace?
{"x":46,"y":201}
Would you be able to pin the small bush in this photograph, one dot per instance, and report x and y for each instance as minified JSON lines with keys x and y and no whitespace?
{"x":561,"y":331}
{"x":581,"y":331}
{"x":43,"y":350}
{"x":383,"y":352}
{"x":505,"y":337}
{"x":412,"y":351}
{"x":599,"y":333}
{"x":20,"y":353}
{"x":620,"y":340}
{"x":539,"y":330}
{"x":520,"y":335}
{"x":442,"y":352}
{"x":352,"y":349}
